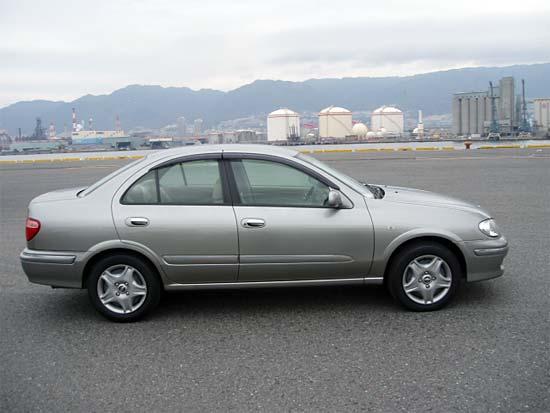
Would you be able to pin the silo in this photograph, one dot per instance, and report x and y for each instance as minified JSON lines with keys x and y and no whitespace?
{"x":335,"y":122}
{"x":388,"y":118}
{"x":283,"y":125}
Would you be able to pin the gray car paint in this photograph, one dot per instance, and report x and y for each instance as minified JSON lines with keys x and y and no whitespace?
{"x":297,"y":244}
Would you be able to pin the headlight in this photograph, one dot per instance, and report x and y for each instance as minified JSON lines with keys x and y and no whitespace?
{"x":489,"y":228}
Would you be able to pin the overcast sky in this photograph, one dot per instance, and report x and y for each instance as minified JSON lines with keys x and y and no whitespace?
{"x":60,"y":50}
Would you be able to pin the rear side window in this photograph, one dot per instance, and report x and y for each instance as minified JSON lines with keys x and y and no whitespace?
{"x":186,"y":183}
{"x":191,"y":183}
{"x":143,"y":191}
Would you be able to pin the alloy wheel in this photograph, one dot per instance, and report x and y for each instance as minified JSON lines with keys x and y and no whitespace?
{"x":427,"y":279}
{"x":121,"y":289}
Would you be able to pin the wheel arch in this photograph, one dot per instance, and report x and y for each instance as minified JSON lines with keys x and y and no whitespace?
{"x":446,"y":242}
{"x":119,"y":250}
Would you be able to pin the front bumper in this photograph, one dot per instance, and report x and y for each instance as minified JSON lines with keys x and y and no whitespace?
{"x":58,"y":269}
{"x":484,"y":258}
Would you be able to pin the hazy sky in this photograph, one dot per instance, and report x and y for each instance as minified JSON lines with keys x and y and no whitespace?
{"x":61,"y":50}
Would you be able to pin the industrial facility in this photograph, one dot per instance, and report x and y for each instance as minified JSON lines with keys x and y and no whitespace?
{"x":418,"y":132}
{"x":542,"y":116}
{"x":335,"y":122}
{"x":388,"y":120}
{"x":360,"y":130}
{"x":496,"y":111}
{"x":117,"y":139}
{"x":283,"y":125}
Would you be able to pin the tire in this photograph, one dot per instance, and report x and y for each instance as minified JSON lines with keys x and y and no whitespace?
{"x":123,"y":288}
{"x":421,"y":271}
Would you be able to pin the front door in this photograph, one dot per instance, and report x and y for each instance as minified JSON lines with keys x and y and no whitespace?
{"x":286,"y":232}
{"x":182,"y":214}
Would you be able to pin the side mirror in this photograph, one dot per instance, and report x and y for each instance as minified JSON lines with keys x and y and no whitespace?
{"x":334,"y":198}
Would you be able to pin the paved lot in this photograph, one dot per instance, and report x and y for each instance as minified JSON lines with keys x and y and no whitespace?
{"x":331,"y":349}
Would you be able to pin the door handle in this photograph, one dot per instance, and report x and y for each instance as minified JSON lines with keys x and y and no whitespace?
{"x":137,"y":222}
{"x":253,"y":223}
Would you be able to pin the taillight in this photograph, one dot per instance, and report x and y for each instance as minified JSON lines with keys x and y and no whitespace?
{"x":32,"y":226}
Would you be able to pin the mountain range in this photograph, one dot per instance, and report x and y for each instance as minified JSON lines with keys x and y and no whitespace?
{"x":155,"y":106}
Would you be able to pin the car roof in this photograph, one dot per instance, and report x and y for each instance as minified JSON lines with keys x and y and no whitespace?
{"x":228,"y":148}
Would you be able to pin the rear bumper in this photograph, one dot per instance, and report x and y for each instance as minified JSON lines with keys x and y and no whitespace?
{"x":58,"y":269}
{"x":484,"y":258}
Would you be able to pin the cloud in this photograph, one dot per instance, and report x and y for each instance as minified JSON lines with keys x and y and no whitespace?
{"x":64,"y":49}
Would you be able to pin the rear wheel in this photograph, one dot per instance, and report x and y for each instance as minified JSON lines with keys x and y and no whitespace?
{"x":123,"y":287}
{"x":424,"y":277}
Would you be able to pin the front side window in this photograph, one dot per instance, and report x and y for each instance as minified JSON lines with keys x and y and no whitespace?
{"x":261,"y":182}
{"x":186,"y":183}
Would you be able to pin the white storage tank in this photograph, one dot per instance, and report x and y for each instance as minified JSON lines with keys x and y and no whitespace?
{"x":335,"y":122}
{"x":360,"y":130}
{"x":388,"y":118}
{"x":282,"y":125}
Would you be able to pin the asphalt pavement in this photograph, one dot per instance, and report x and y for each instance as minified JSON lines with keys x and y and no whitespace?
{"x":317,"y":349}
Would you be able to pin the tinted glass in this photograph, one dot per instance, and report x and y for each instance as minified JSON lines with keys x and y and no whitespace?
{"x":262,"y":182}
{"x":191,"y":183}
{"x":143,"y":191}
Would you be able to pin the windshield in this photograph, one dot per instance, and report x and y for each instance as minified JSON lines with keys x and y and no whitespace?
{"x":107,"y":178}
{"x":348,"y":180}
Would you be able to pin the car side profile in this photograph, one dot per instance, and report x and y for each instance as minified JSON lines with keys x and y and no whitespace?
{"x":242,"y":216}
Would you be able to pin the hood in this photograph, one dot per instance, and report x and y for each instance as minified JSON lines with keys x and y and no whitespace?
{"x":421,"y":197}
{"x":59,"y":195}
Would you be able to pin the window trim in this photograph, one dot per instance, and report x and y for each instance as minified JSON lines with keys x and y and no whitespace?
{"x":227,"y":196}
{"x":227,"y":158}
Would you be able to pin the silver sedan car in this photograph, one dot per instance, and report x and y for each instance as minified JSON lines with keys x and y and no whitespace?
{"x":242,"y":216}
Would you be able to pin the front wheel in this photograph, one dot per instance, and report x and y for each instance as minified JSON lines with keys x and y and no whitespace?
{"x":424,"y":277}
{"x":123,"y":287}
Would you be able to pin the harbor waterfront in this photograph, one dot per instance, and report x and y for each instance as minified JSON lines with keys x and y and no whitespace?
{"x":361,"y":147}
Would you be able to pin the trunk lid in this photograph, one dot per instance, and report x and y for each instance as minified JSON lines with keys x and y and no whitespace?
{"x":59,"y":195}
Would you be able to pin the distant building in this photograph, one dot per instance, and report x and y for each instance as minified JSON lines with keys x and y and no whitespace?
{"x":93,"y":137}
{"x":335,"y":122}
{"x":542,"y":115}
{"x":283,"y":125}
{"x":387,"y":119}
{"x":182,"y":127}
{"x":472,"y":112}
{"x":5,"y":139}
{"x":249,"y":136}
{"x":215,"y":137}
{"x":197,"y":127}
{"x":39,"y":133}
{"x":229,"y":137}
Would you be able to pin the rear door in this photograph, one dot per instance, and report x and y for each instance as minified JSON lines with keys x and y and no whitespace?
{"x":286,"y":232}
{"x":182,"y":213}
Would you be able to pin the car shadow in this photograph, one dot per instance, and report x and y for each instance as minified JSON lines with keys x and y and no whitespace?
{"x":278,"y":300}
{"x":283,"y":302}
